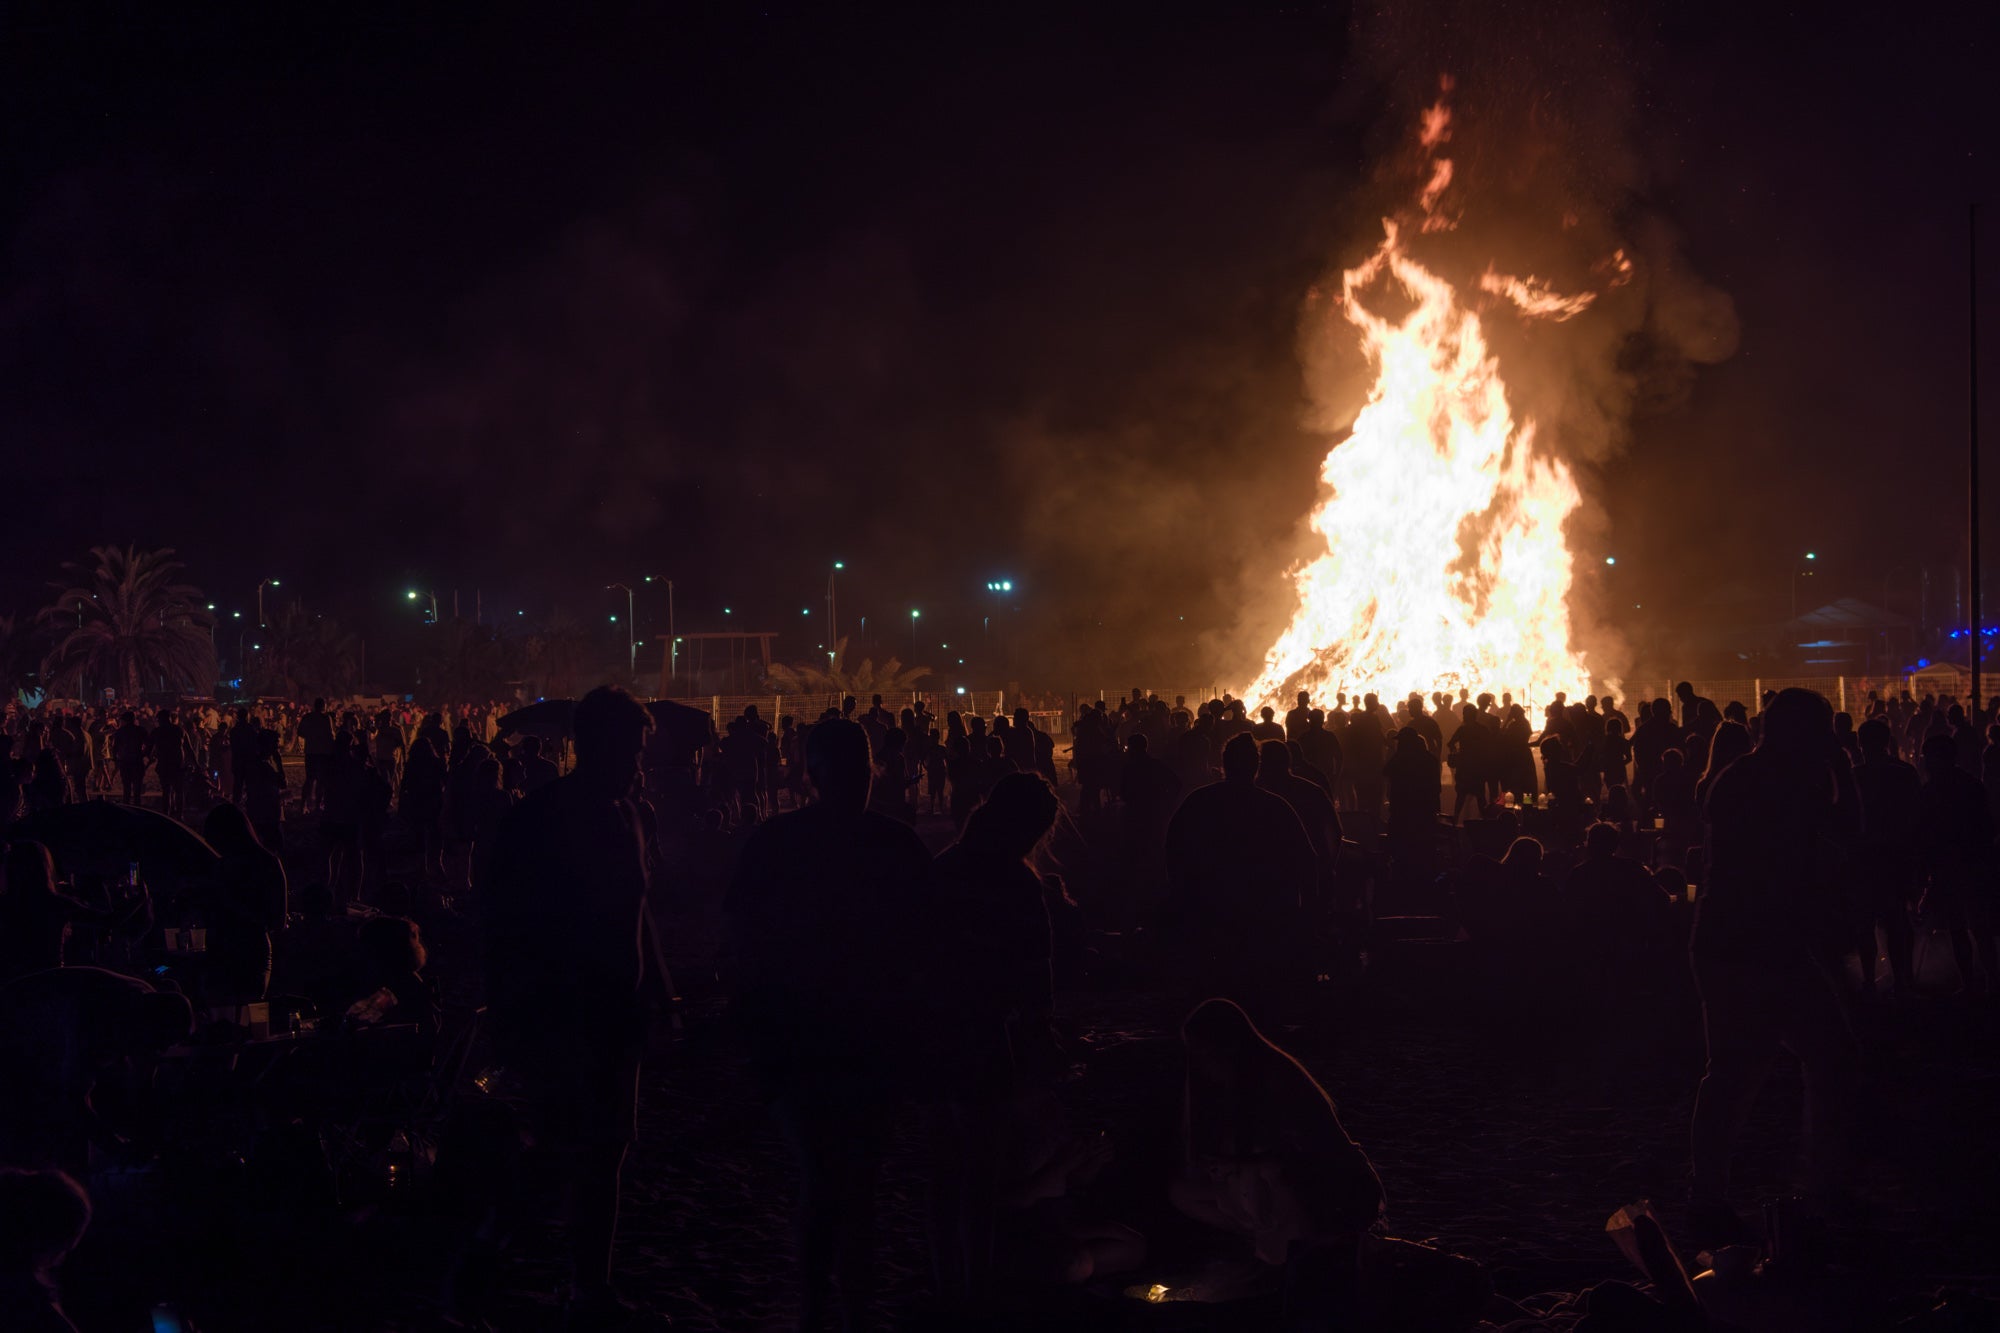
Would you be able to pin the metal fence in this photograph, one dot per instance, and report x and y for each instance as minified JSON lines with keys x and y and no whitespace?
{"x":1052,"y":710}
{"x":806,"y":707}
{"x":1846,"y":693}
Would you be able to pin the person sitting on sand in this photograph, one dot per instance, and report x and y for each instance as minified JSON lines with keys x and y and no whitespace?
{"x":1612,"y":903}
{"x":388,"y":984}
{"x":1265,"y":1156}
{"x":62,"y":1032}
{"x":1047,"y":1236}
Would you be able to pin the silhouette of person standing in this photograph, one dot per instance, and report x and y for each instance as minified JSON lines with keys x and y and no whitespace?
{"x":1889,"y":790}
{"x":170,"y":759}
{"x":1239,"y":870}
{"x":316,"y":734}
{"x":1956,"y":834}
{"x":246,"y":750}
{"x":128,"y":749}
{"x":825,"y":915}
{"x":1760,"y":946}
{"x":573,"y":969}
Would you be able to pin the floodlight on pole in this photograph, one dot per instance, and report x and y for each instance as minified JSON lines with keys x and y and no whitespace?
{"x":631,"y":645}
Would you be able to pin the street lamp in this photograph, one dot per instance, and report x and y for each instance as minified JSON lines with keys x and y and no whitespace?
{"x":673,"y":643}
{"x":832,"y":602}
{"x":1797,"y":574}
{"x":413,"y":595}
{"x":260,"y":599}
{"x":631,"y":645}
{"x":914,"y":613}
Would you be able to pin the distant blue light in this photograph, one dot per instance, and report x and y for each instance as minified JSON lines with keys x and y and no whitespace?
{"x":1923,"y":661}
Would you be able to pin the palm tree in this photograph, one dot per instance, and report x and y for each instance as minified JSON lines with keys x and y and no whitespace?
{"x":129,"y":622}
{"x":307,"y":655}
{"x":837,"y":678}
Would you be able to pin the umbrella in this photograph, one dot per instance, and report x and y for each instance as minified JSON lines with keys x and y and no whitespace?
{"x":548,"y":718}
{"x":679,"y":726}
{"x":103,"y":838}
{"x":675,"y":725}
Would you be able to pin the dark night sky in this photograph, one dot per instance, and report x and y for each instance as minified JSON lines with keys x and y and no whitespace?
{"x":543,"y":299}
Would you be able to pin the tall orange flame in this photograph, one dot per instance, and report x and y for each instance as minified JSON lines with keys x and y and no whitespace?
{"x":1445,"y":563}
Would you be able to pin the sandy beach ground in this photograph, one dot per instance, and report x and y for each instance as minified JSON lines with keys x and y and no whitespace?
{"x":1497,"y":1133}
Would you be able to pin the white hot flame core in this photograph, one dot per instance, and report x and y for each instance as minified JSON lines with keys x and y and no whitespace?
{"x":1445,"y":563}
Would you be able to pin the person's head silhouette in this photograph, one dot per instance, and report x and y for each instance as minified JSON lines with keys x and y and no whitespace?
{"x":1015,"y":816}
{"x":30,"y":870}
{"x":1875,"y":739}
{"x":228,"y":830}
{"x":1684,"y":691}
{"x":1940,"y":755}
{"x":1136,"y":744}
{"x":1601,"y":840}
{"x":1275,"y":757}
{"x":1524,"y":856}
{"x":1798,"y":725}
{"x":610,"y":728}
{"x":1239,"y":758}
{"x":838,"y":762}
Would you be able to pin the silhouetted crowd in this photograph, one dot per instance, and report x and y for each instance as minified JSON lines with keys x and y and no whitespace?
{"x":167,"y":995}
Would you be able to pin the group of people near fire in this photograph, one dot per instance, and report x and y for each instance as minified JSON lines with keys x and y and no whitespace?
{"x":904,"y":898}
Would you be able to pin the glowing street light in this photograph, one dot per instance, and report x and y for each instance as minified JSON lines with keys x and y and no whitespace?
{"x":833,"y":603}
{"x":260,"y":598}
{"x":414,"y":595}
{"x":631,"y":646}
{"x":1610,"y":559}
{"x":914,"y":613}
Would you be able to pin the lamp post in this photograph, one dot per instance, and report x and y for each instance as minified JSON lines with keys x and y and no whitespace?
{"x":1000,"y":588}
{"x":631,"y":645}
{"x":260,"y":599}
{"x":1798,"y":574}
{"x":833,"y":603}
{"x":413,"y":595}
{"x":673,"y":644}
{"x":914,"y":613}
